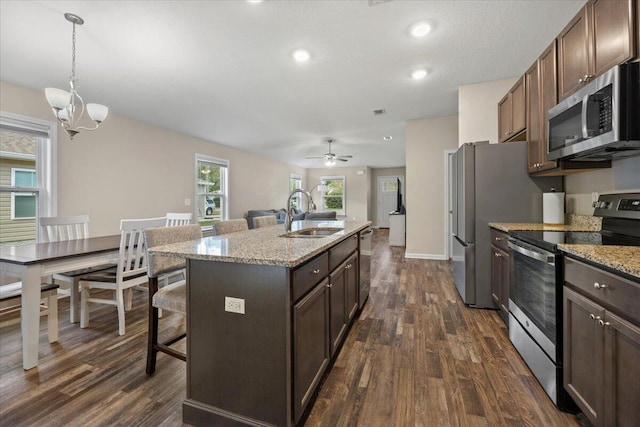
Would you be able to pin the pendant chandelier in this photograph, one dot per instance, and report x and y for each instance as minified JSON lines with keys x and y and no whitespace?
{"x":68,"y":107}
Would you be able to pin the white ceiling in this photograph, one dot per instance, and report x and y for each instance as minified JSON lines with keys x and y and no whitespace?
{"x":222,"y":70}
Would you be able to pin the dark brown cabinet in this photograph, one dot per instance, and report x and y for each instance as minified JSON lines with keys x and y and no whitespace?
{"x":512,"y":118}
{"x":500,"y":273}
{"x":343,"y":297}
{"x":602,"y":344}
{"x":311,"y":343}
{"x":599,"y":37}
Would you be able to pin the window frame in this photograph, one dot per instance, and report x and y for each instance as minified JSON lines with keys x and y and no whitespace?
{"x":46,"y":159}
{"x":223,"y":194}
{"x":324,"y":180}
{"x":33,"y":192}
{"x":296,"y":197}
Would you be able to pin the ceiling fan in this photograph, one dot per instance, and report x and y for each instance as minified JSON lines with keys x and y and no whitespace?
{"x":330,"y":158}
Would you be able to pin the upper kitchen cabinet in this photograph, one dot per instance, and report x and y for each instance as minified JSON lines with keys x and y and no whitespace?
{"x":512,"y":118}
{"x":599,"y":37}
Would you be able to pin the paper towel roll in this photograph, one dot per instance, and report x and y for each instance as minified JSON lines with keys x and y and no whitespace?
{"x":553,"y":208}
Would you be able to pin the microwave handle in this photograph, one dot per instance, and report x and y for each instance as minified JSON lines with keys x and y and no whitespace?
{"x":585,"y":101}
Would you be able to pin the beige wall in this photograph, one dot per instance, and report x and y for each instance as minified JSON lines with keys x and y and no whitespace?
{"x":375,"y":173}
{"x":358,"y":190}
{"x":478,"y":110}
{"x":130,"y":169}
{"x":623,"y":175}
{"x":426,"y":142}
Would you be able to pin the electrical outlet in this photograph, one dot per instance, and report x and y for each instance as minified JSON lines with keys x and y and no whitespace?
{"x":234,"y":305}
{"x":187,"y":202}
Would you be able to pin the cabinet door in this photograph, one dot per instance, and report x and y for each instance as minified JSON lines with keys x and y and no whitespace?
{"x":573,"y":54}
{"x":622,"y":364}
{"x":500,"y":281}
{"x":584,"y":354}
{"x":504,"y":291}
{"x":352,"y":287}
{"x":337,"y":306}
{"x":548,"y":99}
{"x":613,"y":33}
{"x":504,"y":118}
{"x":311,"y":350}
{"x":534,"y":122}
{"x":518,"y":107}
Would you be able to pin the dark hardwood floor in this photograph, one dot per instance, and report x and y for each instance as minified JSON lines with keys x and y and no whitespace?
{"x":416,"y":356}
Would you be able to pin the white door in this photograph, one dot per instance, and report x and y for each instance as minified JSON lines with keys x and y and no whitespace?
{"x":387,"y":197}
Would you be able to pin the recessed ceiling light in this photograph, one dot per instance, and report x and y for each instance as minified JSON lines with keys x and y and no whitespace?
{"x":254,"y":1}
{"x":420,"y":29}
{"x":387,"y":138}
{"x":419,"y":74}
{"x":301,"y":55}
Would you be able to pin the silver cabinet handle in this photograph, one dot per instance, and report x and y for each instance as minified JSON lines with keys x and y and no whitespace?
{"x":497,"y":254}
{"x":316,"y":271}
{"x":599,"y":286}
{"x":329,"y":285}
{"x":594,"y":317}
{"x":499,"y":239}
{"x":602,"y":323}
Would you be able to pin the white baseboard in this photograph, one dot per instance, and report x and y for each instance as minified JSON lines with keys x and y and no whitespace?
{"x":425,"y":256}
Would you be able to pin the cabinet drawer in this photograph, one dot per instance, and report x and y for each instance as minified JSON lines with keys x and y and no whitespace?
{"x":613,"y":292}
{"x":499,"y":239}
{"x":341,"y":251}
{"x":308,"y":275}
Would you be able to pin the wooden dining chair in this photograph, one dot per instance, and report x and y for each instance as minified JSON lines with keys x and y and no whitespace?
{"x":11,"y":302}
{"x":230,"y":226}
{"x":63,"y":228}
{"x":264,"y":221}
{"x":130,"y":271}
{"x":172,"y":297}
{"x":177,"y":218}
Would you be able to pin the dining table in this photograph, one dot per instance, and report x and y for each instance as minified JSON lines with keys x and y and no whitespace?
{"x":34,"y":263}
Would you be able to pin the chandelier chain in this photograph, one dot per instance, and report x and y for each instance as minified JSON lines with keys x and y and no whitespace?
{"x":73,"y":54}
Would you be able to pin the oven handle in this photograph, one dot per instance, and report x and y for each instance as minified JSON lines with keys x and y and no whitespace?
{"x":539,"y":256}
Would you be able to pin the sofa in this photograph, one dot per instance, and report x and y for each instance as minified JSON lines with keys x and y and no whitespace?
{"x":281,"y":215}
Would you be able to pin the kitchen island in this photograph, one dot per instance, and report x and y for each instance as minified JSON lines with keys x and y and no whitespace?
{"x":266,"y":316}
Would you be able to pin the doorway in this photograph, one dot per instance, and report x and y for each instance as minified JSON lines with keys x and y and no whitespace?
{"x":449,"y":194}
{"x":388,"y":197}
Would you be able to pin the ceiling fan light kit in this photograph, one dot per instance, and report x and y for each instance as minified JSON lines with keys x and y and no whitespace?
{"x":330,"y":158}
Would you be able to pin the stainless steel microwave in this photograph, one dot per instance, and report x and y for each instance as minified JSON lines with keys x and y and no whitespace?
{"x":601,"y":121}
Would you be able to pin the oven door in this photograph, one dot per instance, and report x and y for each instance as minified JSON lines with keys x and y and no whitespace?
{"x":532,"y":293}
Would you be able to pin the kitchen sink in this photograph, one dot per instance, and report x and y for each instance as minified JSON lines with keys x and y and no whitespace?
{"x":315,"y":232}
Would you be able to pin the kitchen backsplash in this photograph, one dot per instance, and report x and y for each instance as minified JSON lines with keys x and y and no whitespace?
{"x":623,"y":175}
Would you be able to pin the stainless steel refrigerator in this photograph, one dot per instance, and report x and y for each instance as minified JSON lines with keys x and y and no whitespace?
{"x":490,"y":184}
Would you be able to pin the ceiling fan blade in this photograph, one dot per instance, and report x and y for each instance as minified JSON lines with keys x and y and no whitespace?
{"x":314,"y":157}
{"x":342,"y":160}
{"x":346,"y":157}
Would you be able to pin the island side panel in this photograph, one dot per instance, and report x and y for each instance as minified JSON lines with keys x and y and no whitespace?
{"x":238,"y":363}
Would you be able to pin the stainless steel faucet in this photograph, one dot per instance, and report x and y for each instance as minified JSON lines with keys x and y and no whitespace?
{"x":310,"y":206}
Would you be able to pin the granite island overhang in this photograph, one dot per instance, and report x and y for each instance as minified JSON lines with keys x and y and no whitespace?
{"x":298,"y":297}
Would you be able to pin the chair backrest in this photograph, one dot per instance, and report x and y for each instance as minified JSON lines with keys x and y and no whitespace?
{"x":61,"y":228}
{"x":160,"y":264}
{"x":264,"y":221}
{"x":176,"y":218}
{"x":230,"y":226}
{"x":131,"y":259}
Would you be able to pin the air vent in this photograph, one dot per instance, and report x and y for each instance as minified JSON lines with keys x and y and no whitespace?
{"x":377,"y":2}
{"x":378,"y":112}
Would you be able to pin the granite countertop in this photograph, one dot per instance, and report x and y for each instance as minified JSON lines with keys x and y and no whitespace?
{"x":263,"y":246}
{"x":572,"y":223}
{"x":625,"y":259}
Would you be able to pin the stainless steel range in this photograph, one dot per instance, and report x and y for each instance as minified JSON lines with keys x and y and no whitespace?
{"x":536,"y":278}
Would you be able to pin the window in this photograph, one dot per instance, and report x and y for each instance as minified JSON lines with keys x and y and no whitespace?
{"x":333,"y":194}
{"x":212,"y":190}
{"x":27,"y":176}
{"x":23,"y":205}
{"x":295,"y":182}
